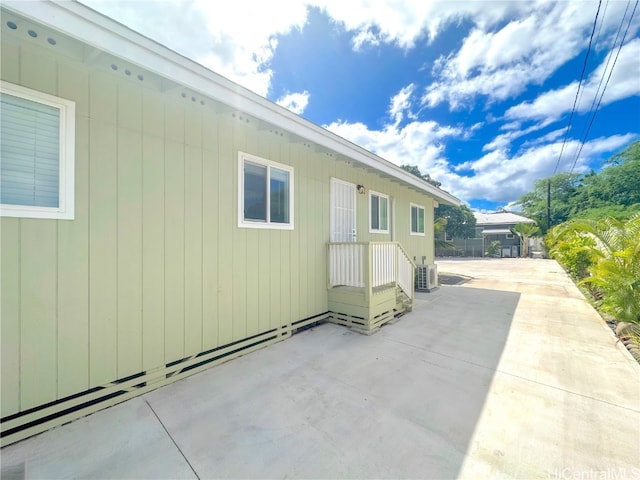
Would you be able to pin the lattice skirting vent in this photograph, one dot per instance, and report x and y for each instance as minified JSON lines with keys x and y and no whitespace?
{"x":38,"y":419}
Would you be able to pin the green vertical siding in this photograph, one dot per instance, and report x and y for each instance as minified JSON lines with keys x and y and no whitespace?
{"x":103,"y":252}
{"x":154,"y":267}
{"x":226,"y":225}
{"x":193,"y":243}
{"x":38,"y":307}
{"x":295,"y":273}
{"x":174,"y":254}
{"x":304,"y":223}
{"x":73,"y":250}
{"x":38,"y":271}
{"x":10,"y":62}
{"x":10,"y":315}
{"x":129,"y":248}
{"x":153,"y":248}
{"x":239,"y":251}
{"x":286,"y":267}
{"x":210,"y":239}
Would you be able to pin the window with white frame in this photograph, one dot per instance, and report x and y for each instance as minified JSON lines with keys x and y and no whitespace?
{"x":265,"y":195}
{"x":417,"y":219}
{"x":37,"y":143}
{"x":378,"y":212}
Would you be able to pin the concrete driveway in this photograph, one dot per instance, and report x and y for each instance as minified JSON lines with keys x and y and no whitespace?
{"x":508,"y":375}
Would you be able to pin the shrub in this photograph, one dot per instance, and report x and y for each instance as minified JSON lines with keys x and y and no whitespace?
{"x":493,"y":249}
{"x":605,"y":255}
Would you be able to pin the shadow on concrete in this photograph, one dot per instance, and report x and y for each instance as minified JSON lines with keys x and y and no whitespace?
{"x":330,"y":403}
{"x":327,"y":403}
{"x":461,"y":333}
{"x":452,"y":279}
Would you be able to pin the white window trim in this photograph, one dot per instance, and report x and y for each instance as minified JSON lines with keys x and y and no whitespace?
{"x":447,"y":238}
{"x":381,"y":195}
{"x":242,"y":223}
{"x":66,"y":157}
{"x":510,"y":236}
{"x":411,"y":232}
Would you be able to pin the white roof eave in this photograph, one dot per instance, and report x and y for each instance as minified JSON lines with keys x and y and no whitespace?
{"x":94,"y":29}
{"x":497,"y":231}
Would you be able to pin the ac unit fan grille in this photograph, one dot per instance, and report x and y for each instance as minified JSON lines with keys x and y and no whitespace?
{"x":422,"y":277}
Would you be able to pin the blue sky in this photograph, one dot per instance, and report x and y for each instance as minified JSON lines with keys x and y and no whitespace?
{"x":476,"y":93}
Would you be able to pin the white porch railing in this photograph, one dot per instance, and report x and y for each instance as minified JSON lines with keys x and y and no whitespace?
{"x":406,"y":270}
{"x":383,"y":269}
{"x":370,"y":265}
{"x":346,"y":262}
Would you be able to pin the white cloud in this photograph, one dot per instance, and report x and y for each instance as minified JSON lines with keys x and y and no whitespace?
{"x":405,"y":23}
{"x":238,"y":39}
{"x":364,"y":37}
{"x":417,"y":143}
{"x":497,"y":176}
{"x":503,"y":141}
{"x":235,"y":39}
{"x":553,"y":104}
{"x":501,"y":64}
{"x":401,"y":104}
{"x":549,"y":137}
{"x":501,"y":177}
{"x":296,"y":102}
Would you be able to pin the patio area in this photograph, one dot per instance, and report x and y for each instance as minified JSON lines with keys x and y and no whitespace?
{"x":510,"y":374}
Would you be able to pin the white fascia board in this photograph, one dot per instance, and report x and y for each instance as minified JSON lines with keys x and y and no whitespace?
{"x":86,"y":25}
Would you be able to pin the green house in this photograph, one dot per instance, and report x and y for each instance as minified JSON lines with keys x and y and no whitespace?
{"x":158,"y":219}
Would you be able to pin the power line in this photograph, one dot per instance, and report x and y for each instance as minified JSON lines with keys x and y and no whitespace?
{"x":575,"y":101}
{"x":584,"y":139}
{"x":609,"y":56}
{"x":604,"y":14}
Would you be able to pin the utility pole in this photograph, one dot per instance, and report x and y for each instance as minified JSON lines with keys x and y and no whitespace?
{"x":548,"y":204}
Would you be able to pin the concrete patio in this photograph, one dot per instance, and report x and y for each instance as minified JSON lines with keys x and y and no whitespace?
{"x":509,"y":375}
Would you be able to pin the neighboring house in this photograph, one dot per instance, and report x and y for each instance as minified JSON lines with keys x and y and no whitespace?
{"x":158,"y":219}
{"x":490,"y":227}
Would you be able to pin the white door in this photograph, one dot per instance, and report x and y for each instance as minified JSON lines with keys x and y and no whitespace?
{"x":343,"y":211}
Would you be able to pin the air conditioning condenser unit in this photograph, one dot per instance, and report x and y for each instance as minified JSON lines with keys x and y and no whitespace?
{"x":426,"y":278}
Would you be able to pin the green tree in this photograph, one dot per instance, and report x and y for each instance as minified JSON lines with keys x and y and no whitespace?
{"x":563,"y":188}
{"x":621,"y":212}
{"x":424,"y":176}
{"x":525,"y":231}
{"x":616,"y":185}
{"x":439,"y":226}
{"x":461,"y":222}
{"x":614,"y":191}
{"x":620,"y":179}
